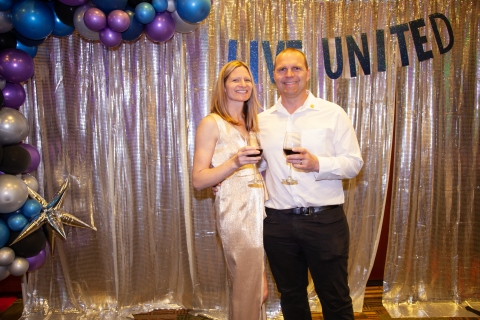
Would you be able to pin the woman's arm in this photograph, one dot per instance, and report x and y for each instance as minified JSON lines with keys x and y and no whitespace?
{"x":203,"y":175}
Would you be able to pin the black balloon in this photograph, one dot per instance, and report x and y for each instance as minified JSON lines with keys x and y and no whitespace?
{"x":26,"y":41}
{"x":7,"y":40}
{"x":1,"y":153}
{"x":29,"y":246}
{"x":65,"y":13}
{"x":5,"y":216}
{"x":134,"y":3}
{"x":15,"y":160}
{"x":2,"y":98}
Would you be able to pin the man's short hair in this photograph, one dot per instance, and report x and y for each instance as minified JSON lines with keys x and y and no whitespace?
{"x":291,"y":50}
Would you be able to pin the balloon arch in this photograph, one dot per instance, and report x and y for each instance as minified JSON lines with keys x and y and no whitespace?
{"x":27,"y":221}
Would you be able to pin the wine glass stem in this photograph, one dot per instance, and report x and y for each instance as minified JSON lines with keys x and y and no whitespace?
{"x":255,"y":173}
{"x":290,"y":172}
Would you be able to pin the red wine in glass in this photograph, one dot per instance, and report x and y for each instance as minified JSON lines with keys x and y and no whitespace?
{"x":289,"y":152}
{"x":292,"y":140}
{"x":257,"y":154}
{"x":254,"y":141}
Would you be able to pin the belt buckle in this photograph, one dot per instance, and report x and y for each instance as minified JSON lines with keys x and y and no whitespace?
{"x":306,"y":211}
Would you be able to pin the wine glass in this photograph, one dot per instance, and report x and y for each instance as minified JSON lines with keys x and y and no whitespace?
{"x":253,"y":141}
{"x":292,"y":140}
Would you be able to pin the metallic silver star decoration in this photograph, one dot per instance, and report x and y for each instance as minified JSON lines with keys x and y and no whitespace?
{"x":52,"y":217}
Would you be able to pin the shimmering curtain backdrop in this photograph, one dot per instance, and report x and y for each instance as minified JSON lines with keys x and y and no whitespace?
{"x":121,"y":124}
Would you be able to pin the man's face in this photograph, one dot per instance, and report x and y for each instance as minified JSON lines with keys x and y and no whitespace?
{"x":291,"y":74}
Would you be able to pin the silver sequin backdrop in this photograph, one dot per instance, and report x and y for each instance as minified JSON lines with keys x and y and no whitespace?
{"x":121,"y":123}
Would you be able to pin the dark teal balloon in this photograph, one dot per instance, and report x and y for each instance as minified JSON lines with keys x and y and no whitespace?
{"x":108,"y":6}
{"x":160,"y":5}
{"x":135,"y":30}
{"x":32,"y":51}
{"x":60,"y":29}
{"x":193,"y":11}
{"x":33,"y":19}
{"x":5,"y":4}
{"x":17,"y":222}
{"x":31,"y":208}
{"x":145,"y":12}
{"x":4,"y":233}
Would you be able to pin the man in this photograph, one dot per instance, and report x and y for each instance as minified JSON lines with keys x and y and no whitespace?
{"x":306,"y":228}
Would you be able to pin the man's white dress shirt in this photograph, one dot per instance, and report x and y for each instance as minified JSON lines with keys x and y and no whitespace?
{"x":326,"y":132}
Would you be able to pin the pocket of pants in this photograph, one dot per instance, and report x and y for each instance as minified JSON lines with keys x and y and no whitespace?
{"x":330,"y":216}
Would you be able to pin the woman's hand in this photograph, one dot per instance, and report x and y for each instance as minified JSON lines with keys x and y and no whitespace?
{"x":246,"y":155}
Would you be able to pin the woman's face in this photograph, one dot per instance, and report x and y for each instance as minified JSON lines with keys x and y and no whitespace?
{"x":238,"y":85}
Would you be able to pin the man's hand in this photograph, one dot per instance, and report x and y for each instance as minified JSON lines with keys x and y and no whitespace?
{"x":215,"y":189}
{"x":304,"y":160}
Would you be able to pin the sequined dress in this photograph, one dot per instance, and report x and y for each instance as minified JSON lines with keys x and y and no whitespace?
{"x":240,"y":212}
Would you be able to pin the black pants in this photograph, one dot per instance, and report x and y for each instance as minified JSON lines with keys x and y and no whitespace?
{"x":296,"y":243}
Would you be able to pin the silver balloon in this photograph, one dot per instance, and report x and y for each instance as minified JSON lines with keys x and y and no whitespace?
{"x":13,"y":126}
{"x":4,"y":273}
{"x":181,"y":25}
{"x":5,"y":21}
{"x":13,"y":193}
{"x":171,"y":6}
{"x":19,"y":266}
{"x":7,"y":255}
{"x":31,"y":181}
{"x":3,"y":82}
{"x":79,"y":23}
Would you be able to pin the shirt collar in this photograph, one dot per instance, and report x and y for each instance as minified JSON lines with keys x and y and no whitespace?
{"x":308,"y":104}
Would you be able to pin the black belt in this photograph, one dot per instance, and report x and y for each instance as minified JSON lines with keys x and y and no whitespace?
{"x":306,"y":211}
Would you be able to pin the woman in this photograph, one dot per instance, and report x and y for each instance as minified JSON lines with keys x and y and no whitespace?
{"x":221,"y":155}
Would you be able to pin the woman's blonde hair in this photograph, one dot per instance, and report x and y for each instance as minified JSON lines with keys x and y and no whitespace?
{"x":219,"y":100}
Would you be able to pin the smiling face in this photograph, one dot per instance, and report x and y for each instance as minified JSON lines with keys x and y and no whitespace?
{"x":238,"y":86}
{"x":291,"y":75}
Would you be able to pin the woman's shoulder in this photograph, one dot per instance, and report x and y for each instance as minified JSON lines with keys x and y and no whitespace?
{"x":214,"y":119}
{"x":209,"y":120}
{"x":210,"y":123}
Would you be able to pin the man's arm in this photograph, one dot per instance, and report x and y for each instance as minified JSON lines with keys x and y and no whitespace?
{"x":347,"y":160}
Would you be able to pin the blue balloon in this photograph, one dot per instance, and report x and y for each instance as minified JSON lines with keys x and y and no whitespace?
{"x":31,"y":208}
{"x":135,"y":30}
{"x":193,"y":11}
{"x":108,"y":6}
{"x":5,"y":4}
{"x":17,"y":222}
{"x":144,"y":12}
{"x":4,"y":233}
{"x":33,"y":19}
{"x":60,"y":29}
{"x":32,"y":51}
{"x":160,"y":5}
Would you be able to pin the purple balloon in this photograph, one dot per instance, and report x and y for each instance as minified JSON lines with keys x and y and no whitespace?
{"x":34,"y":156}
{"x":110,"y":38}
{"x":16,"y":65}
{"x":95,"y":19}
{"x":118,"y":20}
{"x":161,"y":28}
{"x":14,"y":95}
{"x":37,"y":261}
{"x":73,"y":3}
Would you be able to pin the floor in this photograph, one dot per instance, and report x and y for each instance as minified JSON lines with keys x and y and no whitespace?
{"x":372,"y":309}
